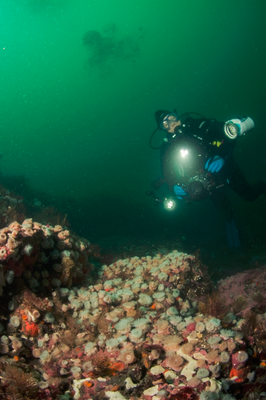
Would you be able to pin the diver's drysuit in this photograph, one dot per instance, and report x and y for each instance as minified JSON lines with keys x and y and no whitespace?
{"x":183,"y":157}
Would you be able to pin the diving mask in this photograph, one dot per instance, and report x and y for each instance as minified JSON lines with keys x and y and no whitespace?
{"x":169,"y":121}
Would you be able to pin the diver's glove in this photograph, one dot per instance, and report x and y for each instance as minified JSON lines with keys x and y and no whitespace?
{"x":214,"y":164}
{"x":179,"y":191}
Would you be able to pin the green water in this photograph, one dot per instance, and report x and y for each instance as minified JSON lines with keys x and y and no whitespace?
{"x":78,"y":127}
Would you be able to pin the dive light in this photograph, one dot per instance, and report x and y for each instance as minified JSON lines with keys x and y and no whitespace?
{"x":238,"y":127}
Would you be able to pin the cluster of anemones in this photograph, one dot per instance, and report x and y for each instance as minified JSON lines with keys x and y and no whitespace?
{"x":47,"y":257}
{"x":149,"y":310}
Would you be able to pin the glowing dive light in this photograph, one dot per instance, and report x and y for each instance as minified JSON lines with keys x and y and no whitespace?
{"x":169,"y":204}
{"x":184,"y":152}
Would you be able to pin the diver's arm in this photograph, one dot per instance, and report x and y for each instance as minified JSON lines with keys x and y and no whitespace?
{"x":223,"y":134}
{"x":217,"y":142}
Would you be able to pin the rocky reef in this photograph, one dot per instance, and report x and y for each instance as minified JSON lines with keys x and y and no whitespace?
{"x":151,"y":327}
{"x":136,"y":330}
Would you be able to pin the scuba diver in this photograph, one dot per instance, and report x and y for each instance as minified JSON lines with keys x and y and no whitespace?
{"x":197,"y":162}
